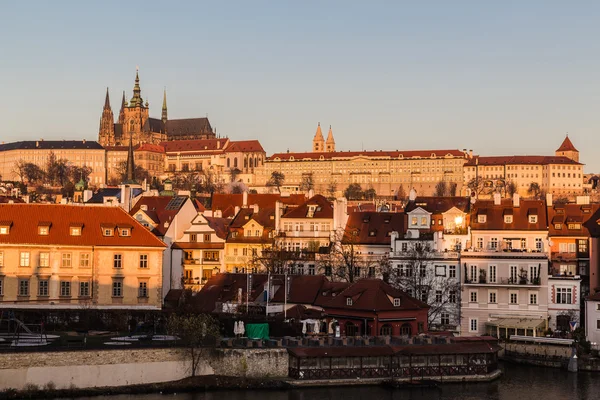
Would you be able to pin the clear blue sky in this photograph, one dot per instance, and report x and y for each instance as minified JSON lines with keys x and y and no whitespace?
{"x":508,"y":77}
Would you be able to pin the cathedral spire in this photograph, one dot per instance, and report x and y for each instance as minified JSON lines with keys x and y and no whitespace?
{"x":107,"y":101}
{"x":136,"y":100}
{"x":330,"y":141}
{"x":164,"y":107}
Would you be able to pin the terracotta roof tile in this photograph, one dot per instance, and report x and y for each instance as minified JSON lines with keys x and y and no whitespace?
{"x":567,"y":145}
{"x":519,"y":160}
{"x":495,"y":215}
{"x":244,"y":146}
{"x":324,"y":208}
{"x":373,"y":227}
{"x":26,"y":217}
{"x":377,"y":154}
{"x":200,"y":145}
{"x":158,"y":211}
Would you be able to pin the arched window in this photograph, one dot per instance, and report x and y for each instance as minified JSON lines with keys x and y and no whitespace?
{"x":131,"y":123}
{"x":245,"y":163}
{"x":251,"y":164}
{"x":386,"y":330}
{"x":351,"y":329}
{"x":406,"y":330}
{"x":255,"y":162}
{"x":228,"y":163}
{"x":235,"y":163}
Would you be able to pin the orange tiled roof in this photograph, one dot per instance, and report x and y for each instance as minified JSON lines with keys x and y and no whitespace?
{"x":244,"y":146}
{"x":535,"y":160}
{"x":567,"y":145}
{"x":213,"y":145}
{"x":380,"y":154}
{"x":25,"y":219}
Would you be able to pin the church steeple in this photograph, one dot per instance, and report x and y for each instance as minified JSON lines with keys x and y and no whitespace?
{"x":122,"y":111}
{"x":136,"y":100}
{"x":330,"y":141}
{"x":318,"y":140}
{"x":164,"y":107}
{"x":107,"y":101}
{"x":106,"y":132}
{"x":130,"y":172}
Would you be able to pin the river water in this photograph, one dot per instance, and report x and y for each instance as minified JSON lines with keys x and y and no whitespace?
{"x":517,"y":383}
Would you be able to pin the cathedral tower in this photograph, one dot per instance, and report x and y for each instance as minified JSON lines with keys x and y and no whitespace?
{"x":136,"y":114}
{"x":318,"y":141}
{"x":106,"y":134}
{"x":567,"y":149}
{"x":330,"y":143}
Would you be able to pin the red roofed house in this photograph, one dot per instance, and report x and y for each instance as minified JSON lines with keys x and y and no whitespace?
{"x":167,"y":217}
{"x":65,"y":256}
{"x":372,"y":307}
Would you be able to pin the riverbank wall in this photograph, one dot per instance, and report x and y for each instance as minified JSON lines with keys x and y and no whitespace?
{"x":110,"y":368}
{"x":546,"y":355}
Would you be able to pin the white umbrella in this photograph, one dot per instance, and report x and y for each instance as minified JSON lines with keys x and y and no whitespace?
{"x":317,"y":327}
{"x":242,"y":328}
{"x":236,"y":329}
{"x":304,"y":328}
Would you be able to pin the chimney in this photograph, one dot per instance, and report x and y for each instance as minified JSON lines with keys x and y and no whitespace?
{"x":497,"y":199}
{"x":236,"y":210}
{"x":218,"y":144}
{"x":471,"y":153}
{"x":255,"y":207}
{"x":245,"y":199}
{"x":83,"y":141}
{"x":516,"y":200}
{"x":311,"y":194}
{"x":412,"y":195}
{"x":37,"y":144}
{"x":549,"y":199}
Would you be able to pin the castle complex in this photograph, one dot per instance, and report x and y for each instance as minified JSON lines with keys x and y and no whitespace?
{"x":135,"y":121}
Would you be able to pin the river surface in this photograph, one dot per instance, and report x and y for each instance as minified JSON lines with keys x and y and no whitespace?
{"x":517,"y":383}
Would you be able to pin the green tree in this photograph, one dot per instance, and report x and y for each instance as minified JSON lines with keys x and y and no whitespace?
{"x":353,"y":192}
{"x":276,"y":180}
{"x":197,"y":332}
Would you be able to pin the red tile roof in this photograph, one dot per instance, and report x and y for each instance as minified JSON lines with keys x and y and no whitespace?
{"x":567,"y":145}
{"x":25,"y":219}
{"x":221,"y":201}
{"x":373,"y":227}
{"x":219,"y":225}
{"x":495,"y":215}
{"x":244,"y":146}
{"x":564,"y":213}
{"x":324,"y":208}
{"x":138,"y":147}
{"x":374,"y":295}
{"x":519,"y":160}
{"x":439,"y":205}
{"x":157,"y":210}
{"x":374,"y":154}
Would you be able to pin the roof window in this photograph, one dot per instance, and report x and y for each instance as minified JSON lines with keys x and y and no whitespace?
{"x":396,"y":302}
{"x":349,"y":301}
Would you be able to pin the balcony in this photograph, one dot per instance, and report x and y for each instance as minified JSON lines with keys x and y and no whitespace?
{"x":510,"y":281}
{"x":237,"y":259}
{"x":569,"y":256}
{"x":445,"y":255}
{"x":191,"y":261}
{"x":459,"y":230}
{"x":504,"y":253}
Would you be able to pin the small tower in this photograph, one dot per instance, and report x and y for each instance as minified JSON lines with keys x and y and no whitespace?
{"x":130,"y":174}
{"x":106,"y":133}
{"x":330,"y":143}
{"x":164,"y":107}
{"x":122,"y":110}
{"x":78,"y":193}
{"x":318,"y":141}
{"x":135,"y":115}
{"x":567,"y":149}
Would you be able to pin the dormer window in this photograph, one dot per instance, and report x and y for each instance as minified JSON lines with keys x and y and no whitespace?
{"x":372,"y":233}
{"x":108,"y":232}
{"x":508,"y":219}
{"x":557,"y":226}
{"x":5,"y":227}
{"x":396,"y":302}
{"x":44,"y":228}
{"x":349,"y":301}
{"x":124,"y":232}
{"x":481,"y":218}
{"x":533,"y":219}
{"x":75,"y":231}
{"x":574,"y":225}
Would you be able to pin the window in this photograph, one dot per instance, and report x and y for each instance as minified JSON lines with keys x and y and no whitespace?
{"x":445,"y":318}
{"x":1,"y":286}
{"x":207,"y":237}
{"x":494,"y":243}
{"x":1,"y":259}
{"x":533,"y":219}
{"x":452,"y":271}
{"x":533,"y":298}
{"x":514,"y":298}
{"x":43,"y":287}
{"x":492,"y":297}
{"x":440,"y":270}
{"x":143,"y":260}
{"x":65,"y":288}
{"x":123,"y":232}
{"x":193,"y":237}
{"x":473,"y":273}
{"x":582,"y":245}
{"x":481,"y":218}
{"x":571,"y":247}
{"x":480,"y":243}
{"x":396,"y":302}
{"x":143,"y":289}
{"x":24,"y":260}
{"x":414,"y":221}
{"x":492,"y":274}
{"x":4,"y":230}
{"x":244,"y":251}
{"x":508,"y":219}
{"x":44,"y":259}
{"x":117,"y":288}
{"x":117,"y":261}
{"x":563,"y":295}
{"x":438,"y":296}
{"x":574,"y":226}
{"x":424,"y":221}
{"x":108,"y":232}
{"x":84,"y":260}
{"x":473,"y":296}
{"x":84,"y":289}
{"x":539,"y":244}
{"x":558,"y":226}
{"x":311,"y":269}
{"x":472,"y":324}
{"x":452,"y":297}
{"x":349,"y":301}
{"x":513,"y":274}
{"x":212,"y":255}
{"x":23,"y":287}
{"x":404,"y":247}
{"x":598,"y":324}
{"x":43,"y":230}
{"x":75,"y":231}
{"x":66,"y":260}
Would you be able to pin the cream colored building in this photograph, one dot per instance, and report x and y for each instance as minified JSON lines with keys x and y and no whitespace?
{"x":151,"y":157}
{"x":561,"y":174}
{"x":78,"y":153}
{"x":66,"y":256}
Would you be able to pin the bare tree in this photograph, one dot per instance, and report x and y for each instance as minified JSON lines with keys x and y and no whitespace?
{"x":307,"y":182}
{"x":452,"y":189}
{"x":273,"y":258}
{"x":419,"y":276}
{"x":401,"y":192}
{"x":331,"y":190}
{"x":511,"y":188}
{"x":276,"y":180}
{"x":441,"y":189}
{"x":234,"y":173}
{"x":534,"y":190}
{"x":197,"y":332}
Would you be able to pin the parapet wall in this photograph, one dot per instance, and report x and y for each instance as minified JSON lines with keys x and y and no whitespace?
{"x":85,"y":369}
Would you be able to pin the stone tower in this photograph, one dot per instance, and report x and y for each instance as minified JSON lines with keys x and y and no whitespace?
{"x":164,"y":116}
{"x":330,"y":143}
{"x":106,"y":134}
{"x":135,"y":114}
{"x":567,"y":149}
{"x":318,"y":141}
